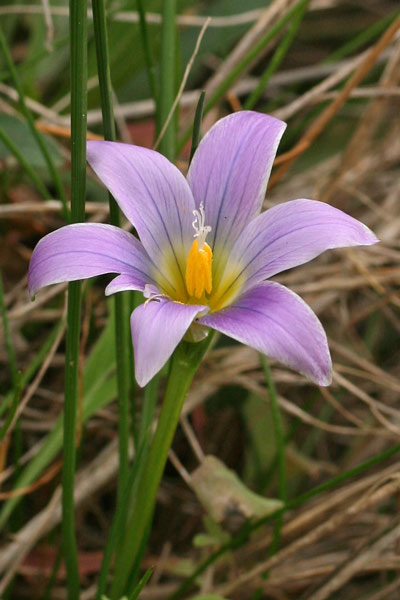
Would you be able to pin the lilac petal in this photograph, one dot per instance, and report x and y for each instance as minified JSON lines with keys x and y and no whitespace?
{"x":275,"y":321}
{"x":152,"y":193}
{"x":157,"y":328}
{"x":230,"y":170}
{"x":293,"y":233}
{"x":87,"y":250}
{"x":124,"y":283}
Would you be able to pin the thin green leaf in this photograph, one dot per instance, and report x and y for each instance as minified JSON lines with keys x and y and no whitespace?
{"x":99,"y":389}
{"x":135,"y":593}
{"x":122,"y":340}
{"x":14,"y":406}
{"x":78,"y":34}
{"x":280,"y":447}
{"x":244,"y":63}
{"x":7,"y":141}
{"x":167,"y":79}
{"x":12,"y":361}
{"x":278,"y":56}
{"x":26,"y":112}
{"x":151,"y":74}
{"x":198,"y":117}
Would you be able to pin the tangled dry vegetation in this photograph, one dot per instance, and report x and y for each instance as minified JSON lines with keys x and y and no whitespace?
{"x":343,"y":542}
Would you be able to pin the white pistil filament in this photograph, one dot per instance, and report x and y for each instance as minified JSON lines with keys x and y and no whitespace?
{"x":201,"y":230}
{"x":198,"y":275}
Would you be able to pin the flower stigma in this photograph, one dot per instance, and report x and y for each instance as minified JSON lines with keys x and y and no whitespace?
{"x":198,"y":276}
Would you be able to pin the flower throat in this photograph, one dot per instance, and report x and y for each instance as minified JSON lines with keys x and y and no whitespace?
{"x":198,"y":276}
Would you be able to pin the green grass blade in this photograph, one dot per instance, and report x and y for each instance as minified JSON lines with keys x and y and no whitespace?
{"x":122,"y":338}
{"x":25,"y":165}
{"x":99,"y":388}
{"x":27,"y":114}
{"x":135,"y":593}
{"x":14,"y":406}
{"x":278,"y":56}
{"x":244,"y":63}
{"x":280,"y":447}
{"x":78,"y":35}
{"x":12,"y":361}
{"x":198,"y":117}
{"x":151,"y":73}
{"x":363,"y":38}
{"x":184,"y":364}
{"x":167,"y":79}
{"x":118,"y":524}
{"x":33,"y":367}
{"x":142,"y":447}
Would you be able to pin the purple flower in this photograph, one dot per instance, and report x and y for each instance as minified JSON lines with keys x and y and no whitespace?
{"x":205,"y":252}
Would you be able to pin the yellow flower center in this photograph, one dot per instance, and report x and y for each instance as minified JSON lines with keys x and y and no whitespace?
{"x":198,"y":275}
{"x":199,"y":279}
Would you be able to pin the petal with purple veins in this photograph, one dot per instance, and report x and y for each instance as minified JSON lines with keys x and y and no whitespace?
{"x":230,"y":170}
{"x":291,"y":234}
{"x":157,"y":328}
{"x":86,"y":250}
{"x":154,"y":196}
{"x":275,"y":321}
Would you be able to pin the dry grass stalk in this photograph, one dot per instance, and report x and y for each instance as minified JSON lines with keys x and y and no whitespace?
{"x":313,"y":536}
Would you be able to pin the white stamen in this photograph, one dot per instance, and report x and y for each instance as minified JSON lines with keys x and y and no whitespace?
{"x":155,"y":297}
{"x":151,"y":293}
{"x":199,"y":227}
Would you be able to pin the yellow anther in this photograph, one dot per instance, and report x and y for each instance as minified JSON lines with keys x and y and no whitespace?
{"x":198,"y":275}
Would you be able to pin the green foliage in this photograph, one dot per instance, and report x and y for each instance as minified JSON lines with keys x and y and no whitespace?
{"x":135,"y":67}
{"x":99,"y":389}
{"x":22,"y":137}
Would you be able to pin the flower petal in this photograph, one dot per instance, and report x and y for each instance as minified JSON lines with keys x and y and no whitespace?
{"x":230,"y":170}
{"x":275,"y":321}
{"x":152,"y":193}
{"x":124,"y":283}
{"x":86,"y":250}
{"x":157,"y":328}
{"x":291,"y":234}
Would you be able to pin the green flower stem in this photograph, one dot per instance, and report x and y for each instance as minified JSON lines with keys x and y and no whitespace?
{"x":148,"y":412}
{"x":278,"y":56}
{"x":167,"y":78}
{"x":185,"y":362}
{"x":141,"y":452}
{"x":29,"y":119}
{"x":280,"y":447}
{"x":122,"y":340}
{"x":78,"y":37}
